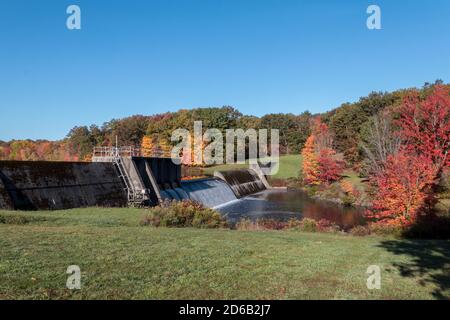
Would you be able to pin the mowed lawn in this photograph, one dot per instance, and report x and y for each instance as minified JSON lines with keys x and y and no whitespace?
{"x":121,"y":260}
{"x":290,"y":166}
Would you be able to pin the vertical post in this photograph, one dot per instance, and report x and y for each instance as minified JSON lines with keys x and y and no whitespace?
{"x":117,"y":147}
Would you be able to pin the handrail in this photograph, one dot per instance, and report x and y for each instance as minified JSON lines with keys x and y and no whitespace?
{"x":129,"y":187}
{"x":110,"y":152}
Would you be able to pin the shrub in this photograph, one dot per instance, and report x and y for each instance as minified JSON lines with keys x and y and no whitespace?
{"x":18,"y":219}
{"x":312,"y":190}
{"x":13,"y":219}
{"x":309,"y":225}
{"x":208,"y":218}
{"x":272,"y":224}
{"x":294,"y":224}
{"x":325,"y":225}
{"x":260,"y":224}
{"x":248,"y":225}
{"x":183,"y":214}
{"x":351,"y":193}
{"x":332,"y":192}
{"x":360,"y":231}
{"x":383,"y":229}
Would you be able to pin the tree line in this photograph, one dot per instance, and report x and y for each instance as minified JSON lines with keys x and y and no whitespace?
{"x":349,"y":124}
{"x":403,"y":149}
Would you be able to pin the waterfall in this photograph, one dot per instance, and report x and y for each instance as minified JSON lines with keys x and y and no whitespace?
{"x":181,"y":193}
{"x":243,"y":182}
{"x":209,"y":192}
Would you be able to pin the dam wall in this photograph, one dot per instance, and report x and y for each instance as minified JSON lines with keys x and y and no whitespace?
{"x":5,"y":200}
{"x":40,"y":185}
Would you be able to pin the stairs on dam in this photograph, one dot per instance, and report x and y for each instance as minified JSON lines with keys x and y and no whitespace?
{"x":138,"y":194}
{"x":135,"y":197}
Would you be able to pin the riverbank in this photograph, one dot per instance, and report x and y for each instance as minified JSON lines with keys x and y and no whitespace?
{"x":121,"y":260}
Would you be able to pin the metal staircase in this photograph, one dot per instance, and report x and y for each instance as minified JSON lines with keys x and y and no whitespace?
{"x":134,"y":198}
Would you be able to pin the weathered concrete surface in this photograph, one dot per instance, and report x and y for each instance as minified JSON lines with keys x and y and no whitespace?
{"x":154,"y":174}
{"x":5,"y":200}
{"x":27,"y":185}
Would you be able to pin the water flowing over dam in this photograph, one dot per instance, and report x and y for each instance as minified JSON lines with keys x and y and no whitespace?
{"x":243,"y":182}
{"x":210,"y":192}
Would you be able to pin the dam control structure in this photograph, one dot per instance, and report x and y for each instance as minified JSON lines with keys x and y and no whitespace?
{"x":117,"y":177}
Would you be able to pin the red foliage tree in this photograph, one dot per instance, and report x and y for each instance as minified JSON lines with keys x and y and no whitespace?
{"x":402,"y":189}
{"x":330,"y":167}
{"x":320,"y":162}
{"x":406,"y":186}
{"x":425,"y":127}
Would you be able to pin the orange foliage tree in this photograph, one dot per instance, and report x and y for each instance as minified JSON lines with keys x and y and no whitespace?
{"x":164,"y":148}
{"x":320,"y":161}
{"x":155,"y":147}
{"x":310,"y":163}
{"x":405,"y":188}
{"x":402,"y":189}
{"x":147,"y":146}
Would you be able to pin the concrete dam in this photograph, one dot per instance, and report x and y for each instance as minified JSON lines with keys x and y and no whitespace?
{"x":116,"y":182}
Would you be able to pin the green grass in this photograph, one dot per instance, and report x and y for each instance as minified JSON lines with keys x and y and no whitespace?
{"x":120,"y":259}
{"x":290,"y":166}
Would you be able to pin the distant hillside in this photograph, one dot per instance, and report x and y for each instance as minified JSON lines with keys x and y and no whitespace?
{"x":346,"y":121}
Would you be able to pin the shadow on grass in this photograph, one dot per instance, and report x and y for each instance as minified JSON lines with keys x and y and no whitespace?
{"x":429,"y":261}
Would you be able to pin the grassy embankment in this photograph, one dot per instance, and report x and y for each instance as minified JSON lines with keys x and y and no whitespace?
{"x":120,"y":259}
{"x":290,"y":166}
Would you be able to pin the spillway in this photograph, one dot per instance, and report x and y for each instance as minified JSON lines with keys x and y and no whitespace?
{"x":210,"y":192}
{"x":243,"y":182}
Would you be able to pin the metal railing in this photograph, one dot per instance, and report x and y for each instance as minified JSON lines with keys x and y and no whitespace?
{"x":111,"y":152}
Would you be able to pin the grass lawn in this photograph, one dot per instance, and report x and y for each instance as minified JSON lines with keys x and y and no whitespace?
{"x":290,"y":166}
{"x":120,"y":259}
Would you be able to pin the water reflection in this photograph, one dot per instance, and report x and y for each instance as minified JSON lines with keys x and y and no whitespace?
{"x":284,"y":205}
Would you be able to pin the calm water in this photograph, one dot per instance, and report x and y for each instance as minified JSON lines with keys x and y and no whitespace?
{"x":284,"y":205}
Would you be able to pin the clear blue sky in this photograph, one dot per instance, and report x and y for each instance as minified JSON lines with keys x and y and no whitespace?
{"x":260,"y":56}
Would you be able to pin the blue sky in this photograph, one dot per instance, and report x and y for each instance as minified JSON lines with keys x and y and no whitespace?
{"x":260,"y":56}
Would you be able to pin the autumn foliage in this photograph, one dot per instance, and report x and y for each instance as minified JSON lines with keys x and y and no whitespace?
{"x":425,"y":126}
{"x":405,"y":188}
{"x":321,"y":165}
{"x":155,"y":147}
{"x":402,"y":189}
{"x":310,"y":162}
{"x":37,"y":150}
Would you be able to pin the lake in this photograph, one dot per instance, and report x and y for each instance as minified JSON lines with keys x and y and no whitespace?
{"x":286,"y":204}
